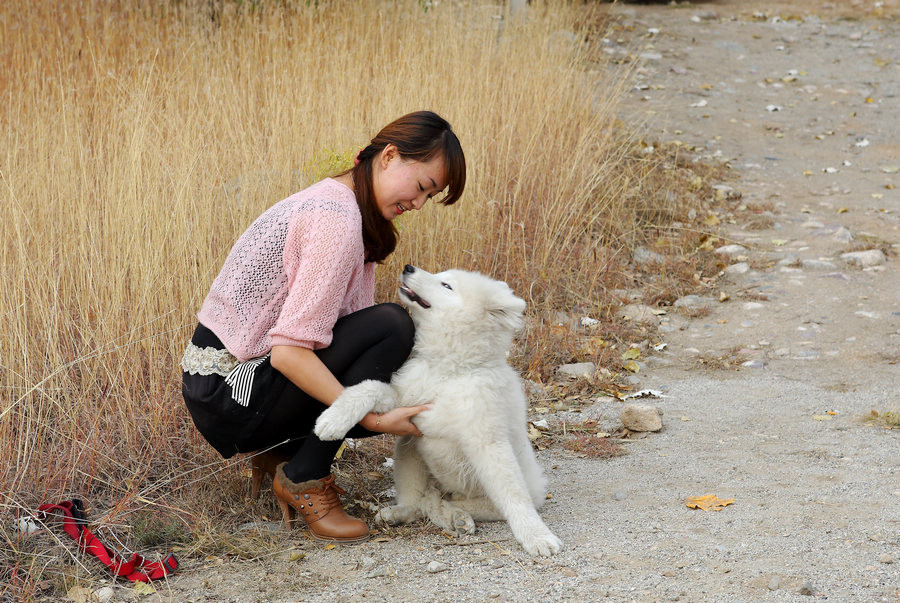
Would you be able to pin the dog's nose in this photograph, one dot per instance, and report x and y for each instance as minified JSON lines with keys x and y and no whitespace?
{"x":409,"y":269}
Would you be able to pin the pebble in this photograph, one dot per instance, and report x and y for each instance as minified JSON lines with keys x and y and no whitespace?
{"x":367,"y":563}
{"x":774,"y":583}
{"x":642,"y":255}
{"x":104,"y":594}
{"x":806,"y":589}
{"x":864,"y":259}
{"x":689,"y":301}
{"x":641,"y":417}
{"x":812,"y":224}
{"x":639,"y":313}
{"x":378,"y":572}
{"x":731,"y":250}
{"x":620,"y":495}
{"x":578,"y":369}
{"x":842,"y":235}
{"x":756,"y":364}
{"x":436,"y":566}
{"x":817,"y":265}
{"x":737,"y":269}
{"x":753,"y":306}
{"x":886,"y":558}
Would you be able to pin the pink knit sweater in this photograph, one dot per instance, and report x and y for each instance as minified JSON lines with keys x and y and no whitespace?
{"x":296,"y":270}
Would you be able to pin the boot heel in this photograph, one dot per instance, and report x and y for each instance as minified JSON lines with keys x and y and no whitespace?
{"x":286,"y":513}
{"x":256,"y":476}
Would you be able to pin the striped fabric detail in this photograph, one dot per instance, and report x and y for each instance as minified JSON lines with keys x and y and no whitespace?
{"x":241,"y":380}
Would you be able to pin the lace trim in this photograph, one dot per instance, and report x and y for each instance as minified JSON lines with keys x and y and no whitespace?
{"x":208,"y":361}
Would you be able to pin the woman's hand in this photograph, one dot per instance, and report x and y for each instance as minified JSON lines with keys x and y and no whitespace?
{"x":397,"y":421}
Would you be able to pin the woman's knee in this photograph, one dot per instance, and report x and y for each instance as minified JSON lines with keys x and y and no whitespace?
{"x":398,"y":325}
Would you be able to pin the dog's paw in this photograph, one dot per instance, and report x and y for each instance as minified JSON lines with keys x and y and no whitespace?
{"x":397,"y":514}
{"x":462,"y":522}
{"x":452,"y":519}
{"x":544,"y":544}
{"x":331,"y":426}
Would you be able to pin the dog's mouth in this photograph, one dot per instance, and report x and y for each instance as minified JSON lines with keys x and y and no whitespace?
{"x":413,"y":296}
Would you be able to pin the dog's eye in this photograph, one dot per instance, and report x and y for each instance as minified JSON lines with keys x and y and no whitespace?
{"x":448,"y":286}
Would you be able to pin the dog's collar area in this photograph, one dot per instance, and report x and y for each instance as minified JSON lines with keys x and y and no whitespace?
{"x":413,"y":296}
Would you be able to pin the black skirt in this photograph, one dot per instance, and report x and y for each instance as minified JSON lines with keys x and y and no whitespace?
{"x":222,"y":421}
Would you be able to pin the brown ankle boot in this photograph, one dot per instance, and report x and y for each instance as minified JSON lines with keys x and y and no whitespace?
{"x":318,"y":503}
{"x":262,"y":464}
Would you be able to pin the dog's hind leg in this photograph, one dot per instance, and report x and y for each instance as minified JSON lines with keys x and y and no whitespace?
{"x":447,"y":515}
{"x":480,"y":508}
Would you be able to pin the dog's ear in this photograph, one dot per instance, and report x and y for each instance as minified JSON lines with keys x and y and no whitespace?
{"x":508,"y":310}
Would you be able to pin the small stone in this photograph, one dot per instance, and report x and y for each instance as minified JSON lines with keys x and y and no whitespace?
{"x":641,"y":417}
{"x":620,"y":495}
{"x":817,"y":265}
{"x":842,"y":235}
{"x":104,"y":594}
{"x":378,"y":572}
{"x":436,"y":566}
{"x":642,"y":255}
{"x":738,"y":269}
{"x":812,"y":225}
{"x":731,"y":250}
{"x":689,"y":301}
{"x":578,"y":369}
{"x":774,"y":583}
{"x":639,"y":313}
{"x":886,"y":558}
{"x":753,"y":306}
{"x":806,"y":589}
{"x":367,"y":563}
{"x":865,"y":259}
{"x":754,"y":364}
{"x":669,"y":573}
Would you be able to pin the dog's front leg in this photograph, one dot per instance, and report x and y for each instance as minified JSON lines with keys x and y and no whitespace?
{"x":352,"y":405}
{"x":501,"y":478}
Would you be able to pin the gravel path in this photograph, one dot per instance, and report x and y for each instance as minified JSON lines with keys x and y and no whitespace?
{"x":816,"y":510}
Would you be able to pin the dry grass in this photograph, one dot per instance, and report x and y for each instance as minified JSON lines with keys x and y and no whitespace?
{"x":139,"y":139}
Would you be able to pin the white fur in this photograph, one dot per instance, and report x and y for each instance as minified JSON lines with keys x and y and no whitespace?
{"x":475,"y":461}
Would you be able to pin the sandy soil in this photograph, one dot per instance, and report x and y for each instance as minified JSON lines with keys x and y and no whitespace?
{"x":816,"y":510}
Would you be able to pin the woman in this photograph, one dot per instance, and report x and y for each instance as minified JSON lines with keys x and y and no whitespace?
{"x":290,"y":321}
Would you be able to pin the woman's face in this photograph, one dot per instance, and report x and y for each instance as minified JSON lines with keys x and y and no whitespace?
{"x":402,"y":184}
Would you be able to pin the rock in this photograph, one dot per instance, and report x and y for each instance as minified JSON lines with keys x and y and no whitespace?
{"x":817,"y":265}
{"x":641,"y":417}
{"x":378,"y":572}
{"x":774,"y":583}
{"x":806,"y":589}
{"x":620,"y":495}
{"x":843,"y":235}
{"x":812,"y":225}
{"x":578,"y":369}
{"x":104,"y":594}
{"x":753,"y":305}
{"x":642,"y":255}
{"x":738,"y":269}
{"x":689,"y":301}
{"x":886,"y":558}
{"x":731,"y":250}
{"x":639,"y":313}
{"x":436,"y":566}
{"x":367,"y":563}
{"x":756,"y":364}
{"x":864,"y":259}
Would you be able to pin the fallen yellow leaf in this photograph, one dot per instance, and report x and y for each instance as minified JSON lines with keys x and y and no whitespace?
{"x":843,"y":210}
{"x":709,"y":502}
{"x":821,"y":418}
{"x":631,"y":354}
{"x":328,"y":547}
{"x":632,"y":366}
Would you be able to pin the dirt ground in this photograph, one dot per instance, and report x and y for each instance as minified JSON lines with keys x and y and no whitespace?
{"x":802,"y":102}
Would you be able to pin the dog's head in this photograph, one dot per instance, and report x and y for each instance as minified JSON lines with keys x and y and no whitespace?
{"x":463,"y":304}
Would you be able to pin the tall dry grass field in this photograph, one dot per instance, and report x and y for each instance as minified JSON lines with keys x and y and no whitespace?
{"x":138,"y":140}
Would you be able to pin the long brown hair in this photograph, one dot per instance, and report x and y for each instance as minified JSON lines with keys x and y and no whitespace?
{"x":418,"y":136}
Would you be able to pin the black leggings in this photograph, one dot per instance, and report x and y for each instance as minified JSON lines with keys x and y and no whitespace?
{"x":368,"y":344}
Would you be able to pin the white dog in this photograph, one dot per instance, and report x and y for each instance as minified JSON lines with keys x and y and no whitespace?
{"x":475,"y":447}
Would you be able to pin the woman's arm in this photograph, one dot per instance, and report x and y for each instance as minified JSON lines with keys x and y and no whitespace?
{"x":305,"y":370}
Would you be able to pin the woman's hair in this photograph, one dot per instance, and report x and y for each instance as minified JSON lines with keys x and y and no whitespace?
{"x":418,"y":136}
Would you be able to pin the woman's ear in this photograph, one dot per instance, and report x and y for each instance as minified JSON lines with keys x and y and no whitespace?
{"x":388,"y":153}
